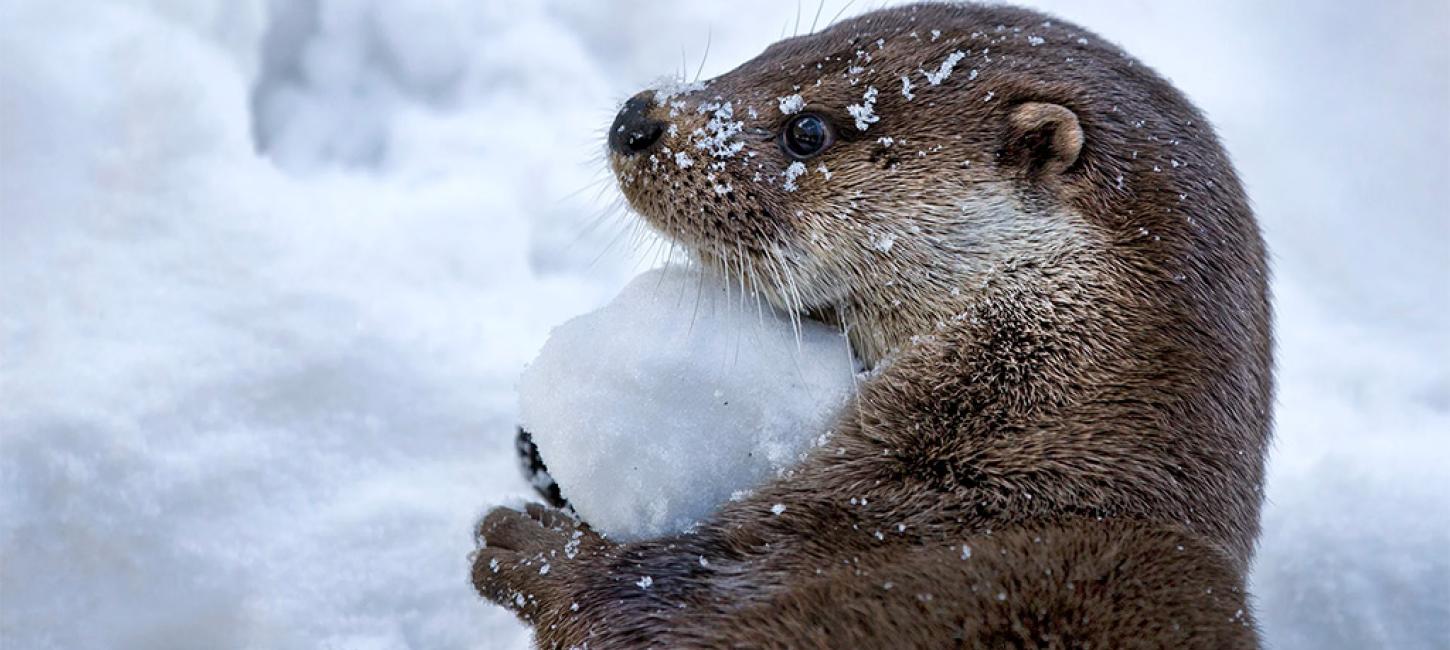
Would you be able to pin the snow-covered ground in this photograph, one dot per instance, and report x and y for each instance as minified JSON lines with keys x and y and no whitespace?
{"x":269,"y":273}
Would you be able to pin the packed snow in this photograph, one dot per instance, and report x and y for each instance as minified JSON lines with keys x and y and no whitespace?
{"x":676,"y":396}
{"x":270,"y":272}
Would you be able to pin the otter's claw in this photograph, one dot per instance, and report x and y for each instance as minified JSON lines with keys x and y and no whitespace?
{"x":522,"y":557}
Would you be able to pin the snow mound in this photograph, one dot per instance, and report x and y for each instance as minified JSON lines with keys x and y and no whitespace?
{"x":654,"y":410}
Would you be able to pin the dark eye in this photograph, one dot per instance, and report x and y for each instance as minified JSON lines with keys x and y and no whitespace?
{"x":805,"y":136}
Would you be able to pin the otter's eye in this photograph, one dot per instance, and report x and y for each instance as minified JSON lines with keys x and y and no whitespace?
{"x":805,"y":136}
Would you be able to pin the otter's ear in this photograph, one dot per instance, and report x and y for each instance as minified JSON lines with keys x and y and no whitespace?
{"x":1044,"y":138}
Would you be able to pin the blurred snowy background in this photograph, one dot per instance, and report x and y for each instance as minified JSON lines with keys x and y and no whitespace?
{"x":269,"y":273}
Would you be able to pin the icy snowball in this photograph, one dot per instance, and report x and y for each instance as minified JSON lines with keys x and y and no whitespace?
{"x":652,"y":411}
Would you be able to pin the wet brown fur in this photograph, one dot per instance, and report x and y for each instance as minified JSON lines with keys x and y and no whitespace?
{"x":1056,"y":274}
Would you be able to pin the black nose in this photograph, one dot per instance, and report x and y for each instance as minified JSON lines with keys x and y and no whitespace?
{"x":633,"y":130}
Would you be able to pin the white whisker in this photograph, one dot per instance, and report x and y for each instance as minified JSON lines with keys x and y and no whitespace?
{"x":709,"y":36}
{"x":839,"y":13}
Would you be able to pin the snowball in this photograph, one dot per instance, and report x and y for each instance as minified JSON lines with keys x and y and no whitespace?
{"x":651,"y":411}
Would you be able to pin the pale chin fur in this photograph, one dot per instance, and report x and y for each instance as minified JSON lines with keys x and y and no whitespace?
{"x":887,"y":283}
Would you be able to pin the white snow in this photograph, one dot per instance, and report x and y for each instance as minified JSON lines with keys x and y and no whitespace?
{"x":717,"y":137}
{"x":884,"y":242}
{"x":791,"y":104}
{"x":947,"y":65}
{"x":651,"y":411}
{"x":269,"y":272}
{"x":792,"y":172}
{"x":865,"y":113}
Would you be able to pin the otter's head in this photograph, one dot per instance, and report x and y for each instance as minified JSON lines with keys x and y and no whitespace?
{"x":894,"y":170}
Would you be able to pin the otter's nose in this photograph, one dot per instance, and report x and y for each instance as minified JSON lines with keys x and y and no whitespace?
{"x":633,"y":130}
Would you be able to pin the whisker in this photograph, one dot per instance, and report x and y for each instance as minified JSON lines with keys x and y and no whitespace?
{"x":594,"y":184}
{"x":778,"y":271}
{"x":797,"y":303}
{"x":699,"y":297}
{"x":850,"y":353}
{"x":741,"y":274}
{"x":741,"y":306}
{"x":650,"y":255}
{"x":785,"y":285}
{"x":759,"y":302}
{"x":608,"y":214}
{"x":709,"y":36}
{"x":842,"y":11}
{"x":720,"y":266}
{"x":623,"y":232}
{"x":601,"y":189}
{"x":664,"y":275}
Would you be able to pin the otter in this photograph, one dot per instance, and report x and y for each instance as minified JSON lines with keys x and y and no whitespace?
{"x":1046,"y":257}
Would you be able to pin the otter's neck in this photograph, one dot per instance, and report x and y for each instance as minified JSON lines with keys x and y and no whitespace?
{"x":1057,"y":300}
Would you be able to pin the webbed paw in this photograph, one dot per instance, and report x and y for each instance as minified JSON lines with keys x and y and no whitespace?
{"x":525,"y":559}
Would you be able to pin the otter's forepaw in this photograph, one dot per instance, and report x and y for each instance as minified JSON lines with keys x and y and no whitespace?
{"x":524,"y":559}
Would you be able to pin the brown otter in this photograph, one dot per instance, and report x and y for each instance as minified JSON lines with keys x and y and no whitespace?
{"x":1047,"y":256}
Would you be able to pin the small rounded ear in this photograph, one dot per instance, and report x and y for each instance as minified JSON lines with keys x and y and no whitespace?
{"x":1046,"y":138}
